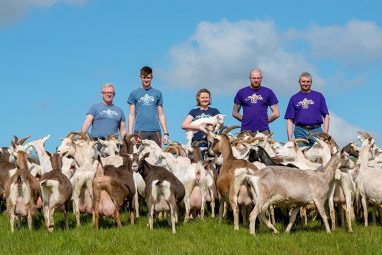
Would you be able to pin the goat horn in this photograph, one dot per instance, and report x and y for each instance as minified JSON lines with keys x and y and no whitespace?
{"x":315,"y":134}
{"x":242,"y":133}
{"x":197,"y":143}
{"x":112,"y":137}
{"x":221,"y":129}
{"x":229,"y":129}
{"x":23,"y":140}
{"x":127,"y":138}
{"x":15,"y":139}
{"x":364,"y":134}
{"x":298,"y":140}
{"x":172,"y":149}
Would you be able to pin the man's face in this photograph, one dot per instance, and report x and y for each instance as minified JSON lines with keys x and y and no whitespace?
{"x":255,"y":79}
{"x":146,"y":80}
{"x":305,"y":83}
{"x":108,"y":95}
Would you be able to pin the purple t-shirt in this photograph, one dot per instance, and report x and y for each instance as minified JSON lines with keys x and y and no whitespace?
{"x":255,"y":105}
{"x":307,"y":108}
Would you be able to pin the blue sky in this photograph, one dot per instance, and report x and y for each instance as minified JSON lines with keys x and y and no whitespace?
{"x":56,"y":54}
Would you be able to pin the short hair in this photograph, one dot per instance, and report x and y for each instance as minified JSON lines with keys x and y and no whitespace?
{"x":257,"y":70}
{"x":146,"y":70}
{"x":305,"y":74}
{"x":107,"y":85}
{"x":200,"y":91}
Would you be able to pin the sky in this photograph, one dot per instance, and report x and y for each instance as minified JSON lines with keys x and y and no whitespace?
{"x":56,"y":54}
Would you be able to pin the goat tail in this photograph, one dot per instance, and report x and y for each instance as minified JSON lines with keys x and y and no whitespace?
{"x":100,"y":170}
{"x":251,"y":180}
{"x":161,"y":188}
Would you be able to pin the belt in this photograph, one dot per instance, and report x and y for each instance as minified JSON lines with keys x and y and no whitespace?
{"x":309,"y":127}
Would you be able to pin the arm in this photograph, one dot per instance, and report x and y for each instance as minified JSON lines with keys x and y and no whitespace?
{"x":162,"y":120}
{"x":290,"y":129}
{"x":235,"y":112}
{"x":275,"y":113}
{"x":88,"y":121}
{"x":122,"y":128}
{"x":186,"y":124}
{"x":326,"y":123}
{"x":131,"y":120}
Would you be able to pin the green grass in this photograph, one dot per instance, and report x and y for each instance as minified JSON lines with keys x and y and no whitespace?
{"x":196,"y":237}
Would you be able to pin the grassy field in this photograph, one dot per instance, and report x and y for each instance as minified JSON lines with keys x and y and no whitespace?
{"x":196,"y":237}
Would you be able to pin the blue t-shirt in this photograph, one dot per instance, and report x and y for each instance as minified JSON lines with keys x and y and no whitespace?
{"x":255,"y":103}
{"x":107,"y":120}
{"x":307,"y":109}
{"x":146,"y":102}
{"x":197,"y":113}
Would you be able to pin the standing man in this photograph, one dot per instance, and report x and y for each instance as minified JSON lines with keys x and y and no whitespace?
{"x":105,"y":118}
{"x":146,"y":110}
{"x":307,"y":111}
{"x":255,"y":100}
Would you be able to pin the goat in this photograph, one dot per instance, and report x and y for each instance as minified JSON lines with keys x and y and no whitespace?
{"x":217,"y":121}
{"x":56,"y":191}
{"x":21,"y":192}
{"x":83,"y":151}
{"x":279,"y":186}
{"x":368,"y":179}
{"x":163,"y":191}
{"x":231,"y":181}
{"x":112,"y":186}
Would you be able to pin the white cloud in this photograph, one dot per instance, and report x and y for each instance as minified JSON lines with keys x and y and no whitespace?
{"x":357,"y":43}
{"x":14,"y":10}
{"x":220,"y":55}
{"x":341,"y":130}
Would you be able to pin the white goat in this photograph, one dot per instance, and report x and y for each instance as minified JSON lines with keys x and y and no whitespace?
{"x":217,"y":121}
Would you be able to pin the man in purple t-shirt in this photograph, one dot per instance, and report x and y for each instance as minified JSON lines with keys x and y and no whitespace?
{"x":255,"y":100}
{"x":307,"y":111}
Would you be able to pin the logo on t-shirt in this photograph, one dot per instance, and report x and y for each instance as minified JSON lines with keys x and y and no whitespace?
{"x":109,"y":113}
{"x":202,"y":116}
{"x":146,"y":100}
{"x":254,"y":98}
{"x":305,"y":103}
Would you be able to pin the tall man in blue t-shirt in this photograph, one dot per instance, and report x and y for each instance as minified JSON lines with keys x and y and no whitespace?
{"x":307,"y":111}
{"x":255,"y":100}
{"x":146,"y":110}
{"x":105,"y":118}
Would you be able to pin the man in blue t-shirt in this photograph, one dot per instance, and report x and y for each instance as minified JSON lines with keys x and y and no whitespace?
{"x":105,"y":118}
{"x":255,"y":100}
{"x":146,"y":110}
{"x":307,"y":111}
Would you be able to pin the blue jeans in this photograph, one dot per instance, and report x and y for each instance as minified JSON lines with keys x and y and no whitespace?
{"x":300,"y":132}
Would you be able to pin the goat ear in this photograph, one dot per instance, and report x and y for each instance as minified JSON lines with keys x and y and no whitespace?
{"x":45,"y":138}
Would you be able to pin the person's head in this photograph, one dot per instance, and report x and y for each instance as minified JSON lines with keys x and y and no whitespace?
{"x":108,"y":93}
{"x":255,"y":77}
{"x":203,"y":98}
{"x":146,"y":76}
{"x":305,"y":81}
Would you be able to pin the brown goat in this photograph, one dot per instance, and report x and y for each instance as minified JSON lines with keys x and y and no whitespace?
{"x":231,"y":183}
{"x":21,"y":192}
{"x":56,"y":191}
{"x":112,"y":187}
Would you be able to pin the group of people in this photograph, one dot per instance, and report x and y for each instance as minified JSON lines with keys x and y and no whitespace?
{"x":306,"y":113}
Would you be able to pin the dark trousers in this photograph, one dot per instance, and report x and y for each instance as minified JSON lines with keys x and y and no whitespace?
{"x":150,"y":135}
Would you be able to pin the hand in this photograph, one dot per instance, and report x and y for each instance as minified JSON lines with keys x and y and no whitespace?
{"x":165,"y":139}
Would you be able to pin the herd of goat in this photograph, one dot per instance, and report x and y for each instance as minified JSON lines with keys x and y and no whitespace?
{"x":248,"y":175}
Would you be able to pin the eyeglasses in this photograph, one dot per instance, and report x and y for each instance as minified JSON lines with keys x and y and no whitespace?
{"x":108,"y":93}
